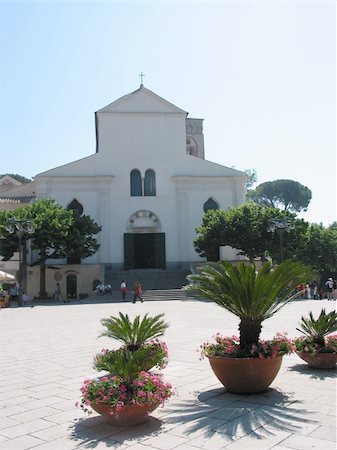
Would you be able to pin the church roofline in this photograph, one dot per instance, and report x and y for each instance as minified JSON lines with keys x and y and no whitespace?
{"x":109,"y":108}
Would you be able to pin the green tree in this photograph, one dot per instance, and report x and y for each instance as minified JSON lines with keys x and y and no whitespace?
{"x":51,"y":223}
{"x":321,"y":250}
{"x":80,"y":241}
{"x":246,"y":228}
{"x":252,"y":178}
{"x":57,"y":234}
{"x":288,"y":195}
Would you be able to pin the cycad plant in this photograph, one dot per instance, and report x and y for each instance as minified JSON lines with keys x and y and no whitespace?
{"x":316,"y":330}
{"x":142,"y":349}
{"x":128,"y":384}
{"x":253,"y":296}
{"x":136,"y":333}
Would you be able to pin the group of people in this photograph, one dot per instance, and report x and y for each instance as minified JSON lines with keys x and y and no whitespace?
{"x":310,"y":291}
{"x":14,"y":293}
{"x":102,"y":288}
{"x":137,"y":291}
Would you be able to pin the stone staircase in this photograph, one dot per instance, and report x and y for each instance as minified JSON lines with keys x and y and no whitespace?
{"x":150,"y":279}
{"x":149,"y":295}
{"x":169,"y":294}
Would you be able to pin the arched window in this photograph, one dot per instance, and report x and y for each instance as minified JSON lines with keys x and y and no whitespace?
{"x":76,"y":206}
{"x":136,"y":183}
{"x":210,"y":204}
{"x":191,"y":147}
{"x":150,"y":183}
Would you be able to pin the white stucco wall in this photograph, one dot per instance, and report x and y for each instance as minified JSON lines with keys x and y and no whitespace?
{"x":153,"y":137}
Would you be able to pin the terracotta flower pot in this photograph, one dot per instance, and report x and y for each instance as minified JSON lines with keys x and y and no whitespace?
{"x":127,"y":416}
{"x":245,"y":375}
{"x":319,"y":360}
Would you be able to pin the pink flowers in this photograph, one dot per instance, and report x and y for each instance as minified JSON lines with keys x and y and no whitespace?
{"x":147,"y":388}
{"x":306,"y":344}
{"x":230,"y":346}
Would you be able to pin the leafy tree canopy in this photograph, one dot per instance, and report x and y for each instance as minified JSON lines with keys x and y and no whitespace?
{"x":57,"y":232}
{"x":246,"y":228}
{"x":321,"y":250}
{"x":252,"y":178}
{"x":51,"y":223}
{"x":80,"y":240}
{"x":288,"y":195}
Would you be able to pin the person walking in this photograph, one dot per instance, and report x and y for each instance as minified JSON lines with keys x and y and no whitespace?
{"x":329,"y":287}
{"x":334,"y":290}
{"x":14,"y":294}
{"x":123,"y":288}
{"x":25,"y":298}
{"x":313,"y":290}
{"x":57,"y":293}
{"x":137,"y":292}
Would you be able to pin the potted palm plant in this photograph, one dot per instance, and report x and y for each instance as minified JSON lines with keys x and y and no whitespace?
{"x":137,"y":335}
{"x":318,"y":346}
{"x":247,"y":364}
{"x":127,"y":393}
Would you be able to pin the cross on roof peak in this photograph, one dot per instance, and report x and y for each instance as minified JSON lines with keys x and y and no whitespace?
{"x":141,"y":75}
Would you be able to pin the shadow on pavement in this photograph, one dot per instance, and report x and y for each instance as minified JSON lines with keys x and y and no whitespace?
{"x":315,"y":374}
{"x":236,"y":415}
{"x":92,"y":431}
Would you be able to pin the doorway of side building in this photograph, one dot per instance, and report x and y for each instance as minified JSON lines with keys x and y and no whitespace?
{"x":144,"y":251}
{"x":71,"y":286}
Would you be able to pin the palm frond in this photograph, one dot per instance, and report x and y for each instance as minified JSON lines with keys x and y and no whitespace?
{"x":134,"y":333}
{"x":248,"y":293}
{"x":318,"y":328}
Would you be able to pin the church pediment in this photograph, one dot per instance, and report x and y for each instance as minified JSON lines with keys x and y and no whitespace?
{"x":142,"y":101}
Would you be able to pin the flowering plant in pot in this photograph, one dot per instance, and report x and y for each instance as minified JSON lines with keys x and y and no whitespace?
{"x":155,"y":354}
{"x":128,"y":396}
{"x":317,"y":346}
{"x":229,"y":346}
{"x":248,"y":364}
{"x":127,"y":393}
{"x":137,"y":335}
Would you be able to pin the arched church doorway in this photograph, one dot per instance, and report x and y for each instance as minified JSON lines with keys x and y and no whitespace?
{"x":144,"y":244}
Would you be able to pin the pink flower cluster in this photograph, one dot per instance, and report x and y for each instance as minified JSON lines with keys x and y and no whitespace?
{"x":306,"y":344}
{"x":229,"y":346}
{"x":147,"y":389}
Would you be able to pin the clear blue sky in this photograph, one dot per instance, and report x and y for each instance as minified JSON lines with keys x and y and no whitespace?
{"x":262,"y":75}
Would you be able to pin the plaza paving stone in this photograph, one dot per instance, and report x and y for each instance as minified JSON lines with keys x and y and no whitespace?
{"x":46,"y":351}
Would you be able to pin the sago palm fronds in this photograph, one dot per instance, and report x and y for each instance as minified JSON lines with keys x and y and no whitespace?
{"x":134,"y":333}
{"x":251,"y":295}
{"x":125,"y":363}
{"x":317,"y":329}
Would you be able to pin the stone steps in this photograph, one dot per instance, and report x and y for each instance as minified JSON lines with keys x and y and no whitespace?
{"x":150,"y":279}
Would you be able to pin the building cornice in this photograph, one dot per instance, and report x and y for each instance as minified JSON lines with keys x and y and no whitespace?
{"x":200,"y":178}
{"x":77,"y":179}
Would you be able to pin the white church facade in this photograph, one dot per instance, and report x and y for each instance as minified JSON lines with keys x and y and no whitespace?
{"x":148,"y":186}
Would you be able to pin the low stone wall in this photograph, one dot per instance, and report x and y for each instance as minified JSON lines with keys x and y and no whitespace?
{"x":82,"y":277}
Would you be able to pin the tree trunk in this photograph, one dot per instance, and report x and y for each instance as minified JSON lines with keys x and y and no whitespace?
{"x":43,"y":293}
{"x":250,"y":330}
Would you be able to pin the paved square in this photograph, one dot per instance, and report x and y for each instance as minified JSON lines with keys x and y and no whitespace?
{"x":47,"y":351}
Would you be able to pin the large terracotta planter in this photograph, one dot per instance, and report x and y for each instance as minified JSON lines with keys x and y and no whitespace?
{"x":319,"y":360}
{"x":128,"y":416}
{"x":245,"y":375}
